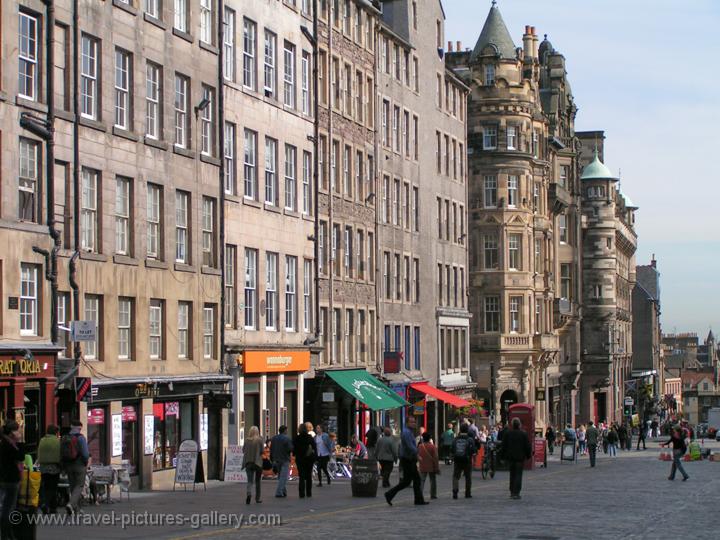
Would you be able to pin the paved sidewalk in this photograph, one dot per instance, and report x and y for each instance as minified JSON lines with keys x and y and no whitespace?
{"x":625,"y":497}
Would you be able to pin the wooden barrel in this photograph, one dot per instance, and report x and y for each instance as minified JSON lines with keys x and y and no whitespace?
{"x":364,"y":482}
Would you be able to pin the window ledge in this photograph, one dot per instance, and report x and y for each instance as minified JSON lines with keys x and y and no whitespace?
{"x":210,"y":159}
{"x":251,"y":202}
{"x":124,"y":133}
{"x":232,"y":198}
{"x":208,"y":47}
{"x":308,"y":217}
{"x":183,"y":152}
{"x":93,"y":124}
{"x":65,"y":115}
{"x":124,"y":259}
{"x":89,"y":256}
{"x":182,"y":35}
{"x":27,"y":226}
{"x":155,"y":143}
{"x":30,"y":104}
{"x":291,"y":213}
{"x":156,"y":22}
{"x":182,"y":267}
{"x":210,"y":271}
{"x":125,"y":7}
{"x":271,"y":208}
{"x":152,"y":263}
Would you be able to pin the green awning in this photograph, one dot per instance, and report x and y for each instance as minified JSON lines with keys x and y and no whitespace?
{"x":366,"y":388}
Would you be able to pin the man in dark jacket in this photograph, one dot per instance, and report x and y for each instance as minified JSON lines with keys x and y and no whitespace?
{"x":592,"y":435}
{"x":75,"y":467}
{"x":463,"y":449}
{"x":516,"y":447}
{"x":280,"y":449}
{"x":408,"y":464}
{"x":371,"y":439}
{"x":12,"y":454}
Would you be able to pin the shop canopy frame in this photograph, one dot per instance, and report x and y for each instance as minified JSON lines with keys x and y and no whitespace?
{"x":441,"y":395}
{"x":367,"y":389}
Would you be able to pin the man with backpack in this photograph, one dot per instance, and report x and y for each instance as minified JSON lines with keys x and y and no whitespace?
{"x":75,"y":456}
{"x":463,"y":449}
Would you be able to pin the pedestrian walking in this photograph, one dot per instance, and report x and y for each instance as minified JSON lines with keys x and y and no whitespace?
{"x":48,"y":457}
{"x":550,"y":438}
{"x":592,"y":436}
{"x":654,"y":425}
{"x":75,"y":457}
{"x":305,"y":451}
{"x":325,"y":449}
{"x":612,"y":442}
{"x":463,"y":449}
{"x":641,"y":436}
{"x":622,"y":436}
{"x":446,"y":440}
{"x":677,"y":440}
{"x":473,"y":431}
{"x":629,"y":438}
{"x":516,"y":449}
{"x":429,"y":464}
{"x":12,"y":455}
{"x":386,"y":453}
{"x":280,"y":449}
{"x":253,"y":463}
{"x":408,"y":464}
{"x":582,"y":443}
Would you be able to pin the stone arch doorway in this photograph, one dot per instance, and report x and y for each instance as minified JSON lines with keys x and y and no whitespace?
{"x":507,"y":398}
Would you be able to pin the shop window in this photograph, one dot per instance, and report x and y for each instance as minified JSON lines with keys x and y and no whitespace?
{"x":130,"y":438}
{"x":173,"y":424}
{"x":97,"y":435}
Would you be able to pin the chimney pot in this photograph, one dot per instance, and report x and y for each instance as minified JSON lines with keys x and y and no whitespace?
{"x":449,"y":46}
{"x":527,"y":29}
{"x":458,"y":46}
{"x":532,"y":30}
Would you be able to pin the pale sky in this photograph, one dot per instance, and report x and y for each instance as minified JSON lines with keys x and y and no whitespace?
{"x":647,"y":73}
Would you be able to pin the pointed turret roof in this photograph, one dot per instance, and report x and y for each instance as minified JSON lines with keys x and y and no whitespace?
{"x":495,"y":33}
{"x":597,"y":170}
{"x":710,"y":337}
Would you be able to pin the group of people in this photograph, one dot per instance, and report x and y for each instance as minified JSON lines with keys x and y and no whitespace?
{"x":613,"y":437}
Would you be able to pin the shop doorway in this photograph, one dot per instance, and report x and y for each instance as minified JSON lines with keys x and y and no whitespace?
{"x":291,"y":419}
{"x":508,"y":397}
{"x":600,"y":407}
{"x":272,"y":404}
{"x":33,"y":426}
{"x":252,"y":411}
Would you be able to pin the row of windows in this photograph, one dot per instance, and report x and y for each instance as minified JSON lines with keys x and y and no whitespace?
{"x":516,"y":138}
{"x":349,"y":171}
{"x":348,"y":90}
{"x":348,"y":18}
{"x":451,"y":224}
{"x":453,"y":348}
{"x":349,"y":337}
{"x":510,"y":318}
{"x":348,"y":260}
{"x":401,"y":278}
{"x":449,"y":156}
{"x":396,"y":61}
{"x":405,"y":339}
{"x":397,"y":133}
{"x":400,"y":204}
{"x":454,"y":98}
{"x":451,"y":285}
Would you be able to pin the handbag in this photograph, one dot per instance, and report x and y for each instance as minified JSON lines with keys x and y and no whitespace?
{"x":29,"y":492}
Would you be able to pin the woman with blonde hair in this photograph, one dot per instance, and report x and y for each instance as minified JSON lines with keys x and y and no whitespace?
{"x":252,"y":462}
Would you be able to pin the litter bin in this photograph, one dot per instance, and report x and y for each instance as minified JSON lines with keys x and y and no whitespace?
{"x":364,"y":482}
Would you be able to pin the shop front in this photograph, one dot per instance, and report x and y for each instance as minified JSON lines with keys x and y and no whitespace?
{"x":435,"y":405}
{"x":27,"y":389}
{"x":270,"y":390}
{"x":139,"y":424}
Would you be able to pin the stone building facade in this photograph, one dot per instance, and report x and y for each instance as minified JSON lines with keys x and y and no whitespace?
{"x":647,"y":353}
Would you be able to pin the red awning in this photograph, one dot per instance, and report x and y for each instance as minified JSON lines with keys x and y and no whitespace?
{"x":450,"y":399}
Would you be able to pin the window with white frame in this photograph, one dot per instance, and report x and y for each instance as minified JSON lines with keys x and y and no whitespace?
{"x":250,"y":288}
{"x":334,"y":161}
{"x":152,"y":8}
{"x":489,"y":137}
{"x":347,"y":83}
{"x":125,"y":312}
{"x":182,"y":205}
{"x":347,"y":165}
{"x":348,"y":252}
{"x":562,"y":227}
{"x":230,"y":274}
{"x":93,"y":313}
{"x":208,"y":331}
{"x":208,"y":231}
{"x":334,"y":255}
{"x":511,"y":137}
{"x":359,"y":176}
{"x":565,"y":281}
{"x":270,"y":171}
{"x":395,"y":128}
{"x":360,"y":243}
{"x":153,"y":78}
{"x":490,"y":251}
{"x":28,"y":180}
{"x":597,"y":291}
{"x":396,"y":196}
{"x":386,"y":199}
{"x":564,"y":175}
{"x":387,"y":276}
{"x":306,"y":184}
{"x":206,"y":21}
{"x":538,"y":255}
{"x":181,"y":13}
{"x":229,"y":155}
{"x":207,"y":122}
{"x":512,"y":191}
{"x":514,"y":251}
{"x":229,"y":43}
{"x":89,"y":210}
{"x":122,"y":215}
{"x":515,"y":316}
{"x":28,"y":56}
{"x":490,"y":191}
{"x":307,"y":295}
{"x":89,"y":77}
{"x":123,"y":69}
{"x":359,"y":95}
{"x":271,"y":292}
{"x":535,"y":143}
{"x":182,"y":97}
{"x":184,"y":329}
{"x":270,"y":61}
{"x":322,"y":235}
{"x":249,"y":46}
{"x":536,"y":197}
{"x":289,"y":74}
{"x":29,"y":300}
{"x":538,"y":316}
{"x":290,"y":293}
{"x":154,"y":198}
{"x":290,"y":177}
{"x":155,"y":330}
{"x":305,"y":82}
{"x":489,"y":74}
{"x":385,"y":132}
{"x":249,"y":155}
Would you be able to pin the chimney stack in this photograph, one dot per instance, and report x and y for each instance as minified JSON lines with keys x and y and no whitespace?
{"x":534,"y":42}
{"x":449,"y":49}
{"x":653,"y":262}
{"x":458,"y":46}
{"x":527,"y":43}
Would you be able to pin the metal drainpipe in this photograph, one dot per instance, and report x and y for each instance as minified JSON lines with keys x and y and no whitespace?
{"x":221,"y":182}
{"x":77,"y":352}
{"x":378,"y":162}
{"x":316,"y":187}
{"x":331,"y":225}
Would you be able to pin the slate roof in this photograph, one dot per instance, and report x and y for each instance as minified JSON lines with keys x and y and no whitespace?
{"x":495,"y":33}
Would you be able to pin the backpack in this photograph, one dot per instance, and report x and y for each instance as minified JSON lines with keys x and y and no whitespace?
{"x":462,"y":448}
{"x":69,"y":448}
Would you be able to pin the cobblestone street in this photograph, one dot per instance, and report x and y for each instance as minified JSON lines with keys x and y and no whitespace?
{"x":624,"y":497}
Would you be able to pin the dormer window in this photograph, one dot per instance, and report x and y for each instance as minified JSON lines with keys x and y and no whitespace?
{"x":489,"y":74}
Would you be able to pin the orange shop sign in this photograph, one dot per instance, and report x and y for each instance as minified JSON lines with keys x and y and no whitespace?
{"x":275,"y":361}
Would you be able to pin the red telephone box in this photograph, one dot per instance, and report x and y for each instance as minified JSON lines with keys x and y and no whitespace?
{"x":526,"y":414}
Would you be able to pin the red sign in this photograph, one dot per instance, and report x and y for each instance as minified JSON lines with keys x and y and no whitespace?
{"x":172,"y":408}
{"x":540,"y":452}
{"x":392,"y":361}
{"x":129,"y":414}
{"x":96,"y":417}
